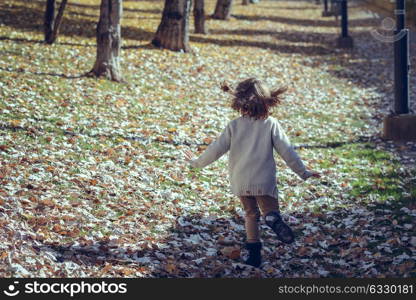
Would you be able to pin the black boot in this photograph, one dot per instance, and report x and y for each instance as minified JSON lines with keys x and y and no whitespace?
{"x":254,"y":252}
{"x":282,"y":230}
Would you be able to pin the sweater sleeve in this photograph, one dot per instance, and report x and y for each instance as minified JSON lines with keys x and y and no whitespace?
{"x":215,"y":150}
{"x":282,"y":145}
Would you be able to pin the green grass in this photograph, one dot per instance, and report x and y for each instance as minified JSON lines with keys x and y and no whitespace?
{"x":381,"y":177}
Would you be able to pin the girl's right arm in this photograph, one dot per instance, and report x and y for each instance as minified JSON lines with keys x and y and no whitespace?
{"x":283,"y":146}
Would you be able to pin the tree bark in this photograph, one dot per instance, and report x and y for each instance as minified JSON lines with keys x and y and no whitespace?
{"x":199,"y":17}
{"x":173,"y":31}
{"x":223,"y":9}
{"x":245,"y":2}
{"x":49,"y":19}
{"x":52,"y":24}
{"x":107,"y":62}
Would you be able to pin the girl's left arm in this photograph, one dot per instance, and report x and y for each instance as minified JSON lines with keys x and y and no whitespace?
{"x":215,"y":150}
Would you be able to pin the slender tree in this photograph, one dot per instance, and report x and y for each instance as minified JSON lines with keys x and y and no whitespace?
{"x":199,"y":17}
{"x":173,"y":30}
{"x":107,"y":62}
{"x":52,"y":23}
{"x":49,"y":19}
{"x":223,"y":9}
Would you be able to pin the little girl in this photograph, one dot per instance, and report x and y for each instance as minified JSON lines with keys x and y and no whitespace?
{"x":252,"y":169}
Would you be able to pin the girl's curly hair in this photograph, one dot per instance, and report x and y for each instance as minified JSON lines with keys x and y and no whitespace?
{"x":253,"y":98}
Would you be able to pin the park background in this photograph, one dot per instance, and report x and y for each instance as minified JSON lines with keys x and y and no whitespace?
{"x":92,"y":179}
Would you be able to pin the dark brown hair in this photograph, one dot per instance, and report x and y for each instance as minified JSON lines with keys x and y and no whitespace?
{"x":253,"y":98}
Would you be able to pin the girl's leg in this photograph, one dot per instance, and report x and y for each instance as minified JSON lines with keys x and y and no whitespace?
{"x":268,"y":204}
{"x":253,"y":244}
{"x":270,"y":209}
{"x":252,"y":217}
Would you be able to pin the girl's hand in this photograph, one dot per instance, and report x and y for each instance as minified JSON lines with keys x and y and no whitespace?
{"x":315,"y":174}
{"x":188,"y":155}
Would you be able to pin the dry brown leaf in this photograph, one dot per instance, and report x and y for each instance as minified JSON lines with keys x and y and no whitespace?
{"x":231,"y":252}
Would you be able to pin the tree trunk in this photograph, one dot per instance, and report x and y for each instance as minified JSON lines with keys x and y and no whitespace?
{"x":52,"y":24}
{"x":107,"y":63}
{"x":245,"y":2}
{"x":173,"y":31}
{"x":49,"y":19}
{"x":223,"y":9}
{"x":199,"y":17}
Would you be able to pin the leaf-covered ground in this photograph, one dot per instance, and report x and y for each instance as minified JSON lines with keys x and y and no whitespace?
{"x":92,"y":179}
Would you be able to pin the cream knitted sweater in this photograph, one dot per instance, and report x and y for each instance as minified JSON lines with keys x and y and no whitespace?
{"x":252,"y":168}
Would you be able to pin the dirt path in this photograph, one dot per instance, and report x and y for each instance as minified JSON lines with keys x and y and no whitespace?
{"x":406,"y":151}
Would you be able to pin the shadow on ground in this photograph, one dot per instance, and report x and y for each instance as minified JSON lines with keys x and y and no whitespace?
{"x":359,"y":70}
{"x":334,"y":242}
{"x":30,"y":18}
{"x":305,"y":22}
